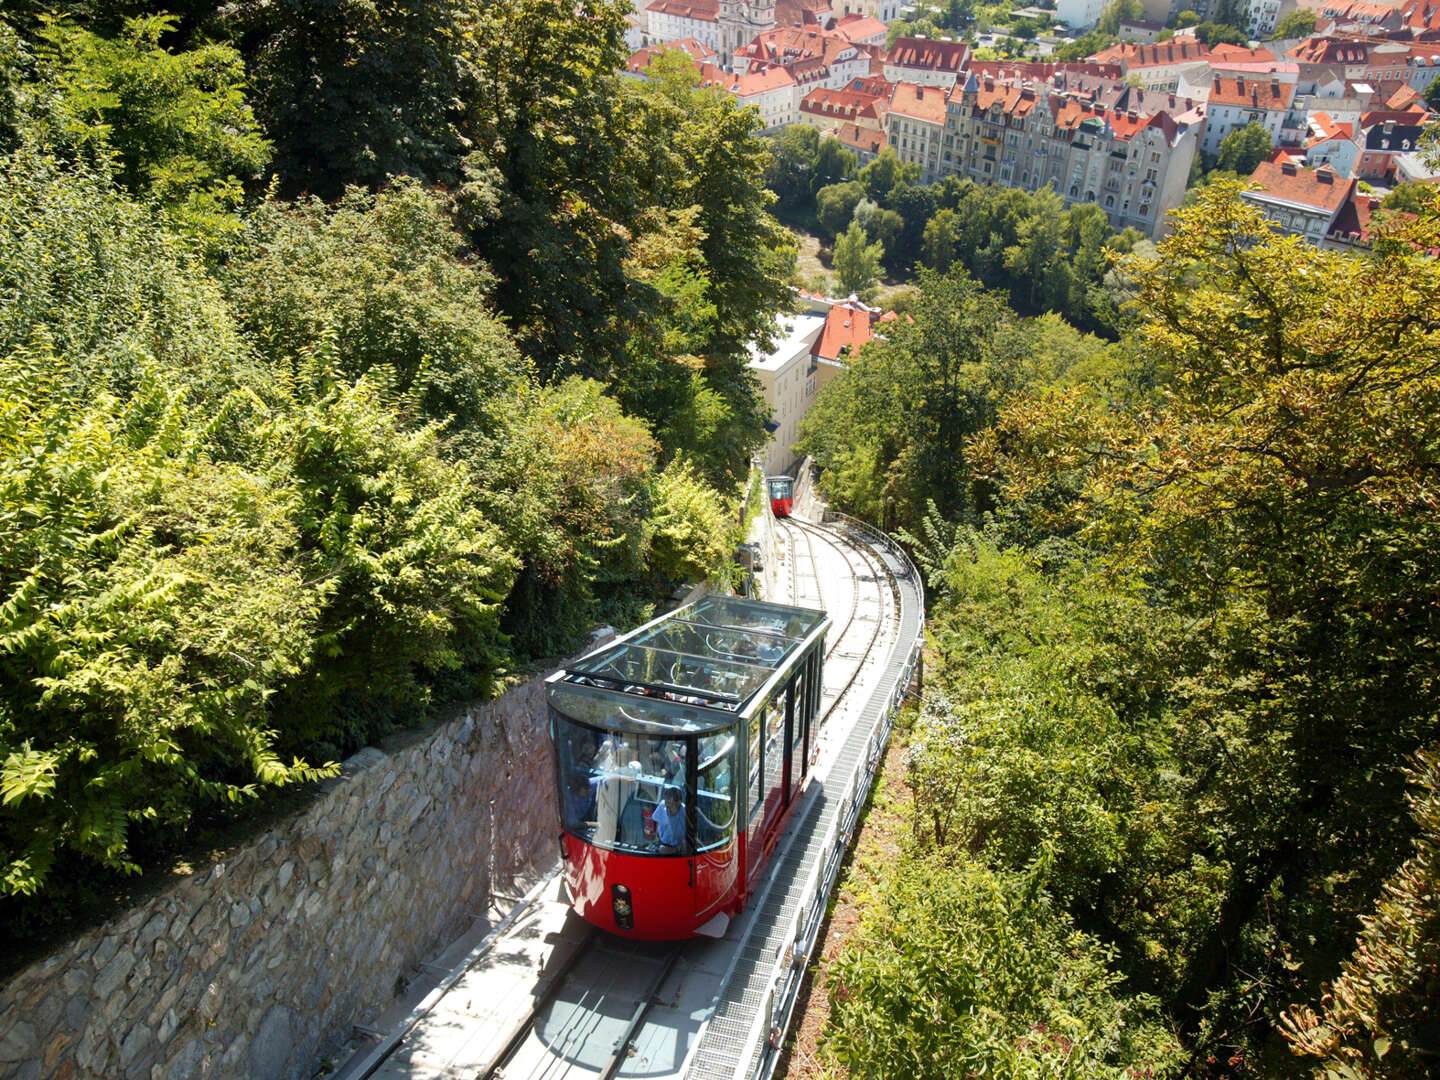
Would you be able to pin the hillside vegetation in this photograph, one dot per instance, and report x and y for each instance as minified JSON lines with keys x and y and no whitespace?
{"x":351,"y":357}
{"x":1175,"y":771}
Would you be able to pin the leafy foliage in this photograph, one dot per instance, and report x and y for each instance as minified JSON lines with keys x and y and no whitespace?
{"x":1378,"y":1018}
{"x":1243,"y":149}
{"x":891,"y":434}
{"x":1279,"y":496}
{"x":172,"y":125}
{"x":857,"y":262}
{"x":956,"y":970}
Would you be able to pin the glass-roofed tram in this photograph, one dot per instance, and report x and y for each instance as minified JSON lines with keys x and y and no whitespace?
{"x":679,"y":750}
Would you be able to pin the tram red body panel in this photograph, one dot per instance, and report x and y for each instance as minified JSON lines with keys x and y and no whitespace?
{"x":666,"y":905}
{"x":663,"y":899}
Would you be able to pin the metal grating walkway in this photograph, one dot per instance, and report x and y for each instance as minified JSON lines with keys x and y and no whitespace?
{"x":753,"y":1010}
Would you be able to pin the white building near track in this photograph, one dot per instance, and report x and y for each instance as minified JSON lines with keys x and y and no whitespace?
{"x":788,"y":382}
{"x":810,"y":350}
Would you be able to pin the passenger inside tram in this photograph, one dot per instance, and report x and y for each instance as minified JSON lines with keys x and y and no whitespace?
{"x":669,"y":818}
{"x":614,"y":787}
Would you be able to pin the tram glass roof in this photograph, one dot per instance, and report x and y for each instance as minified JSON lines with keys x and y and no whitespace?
{"x":714,"y":654}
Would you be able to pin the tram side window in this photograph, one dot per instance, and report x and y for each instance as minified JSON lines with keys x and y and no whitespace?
{"x":715,"y":821}
{"x":612,"y":782}
{"x":799,"y":693}
{"x":774,"y":744}
{"x":754,"y":745}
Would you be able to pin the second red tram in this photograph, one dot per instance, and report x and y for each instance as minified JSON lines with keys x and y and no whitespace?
{"x":679,"y":751}
{"x":781,"y":490}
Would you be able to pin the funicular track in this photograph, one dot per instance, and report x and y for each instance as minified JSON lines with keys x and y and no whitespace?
{"x":588,"y":1010}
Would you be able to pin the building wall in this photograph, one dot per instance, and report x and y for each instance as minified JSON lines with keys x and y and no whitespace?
{"x":1079,"y":14}
{"x":664,"y":27}
{"x":260,"y":964}
{"x":1135,"y":182}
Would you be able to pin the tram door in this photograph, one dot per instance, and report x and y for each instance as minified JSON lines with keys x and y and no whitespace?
{"x":716,"y":820}
{"x":769,"y":773}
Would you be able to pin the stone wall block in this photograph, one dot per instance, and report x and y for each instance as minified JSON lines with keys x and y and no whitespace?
{"x":259,"y":964}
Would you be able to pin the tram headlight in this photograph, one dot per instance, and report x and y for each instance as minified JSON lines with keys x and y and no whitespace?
{"x":620,"y":904}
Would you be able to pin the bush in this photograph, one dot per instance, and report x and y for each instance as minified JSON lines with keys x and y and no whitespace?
{"x":960,"y":971}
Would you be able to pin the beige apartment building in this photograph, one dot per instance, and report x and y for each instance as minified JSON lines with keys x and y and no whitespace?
{"x":1126,"y":150}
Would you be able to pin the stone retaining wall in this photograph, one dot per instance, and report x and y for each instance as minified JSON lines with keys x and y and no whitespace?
{"x":259,"y":965}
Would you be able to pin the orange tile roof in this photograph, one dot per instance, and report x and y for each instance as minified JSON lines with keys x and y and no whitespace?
{"x":1175,"y":51}
{"x":929,"y":55}
{"x":855,"y":27}
{"x":704,"y":10}
{"x":801,"y":12}
{"x":1225,"y":53}
{"x":642,"y":58}
{"x":1319,"y":188}
{"x":866,"y":139}
{"x":844,"y":327}
{"x":768,"y":77}
{"x":925,"y":103}
{"x":1251,"y":93}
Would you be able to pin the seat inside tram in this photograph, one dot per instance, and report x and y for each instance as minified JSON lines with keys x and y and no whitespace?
{"x":668,"y":707}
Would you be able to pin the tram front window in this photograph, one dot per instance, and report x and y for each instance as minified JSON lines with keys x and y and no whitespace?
{"x":613,"y":785}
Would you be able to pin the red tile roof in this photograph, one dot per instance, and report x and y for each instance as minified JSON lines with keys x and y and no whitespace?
{"x":1322,"y":50}
{"x":1421,"y":15}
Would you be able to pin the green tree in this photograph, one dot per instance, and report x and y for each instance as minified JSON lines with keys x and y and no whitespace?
{"x":882,"y":175}
{"x":881,"y":226}
{"x":1409,"y":198}
{"x":953,"y":966}
{"x":937,"y":250}
{"x":175,"y":126}
{"x":701,"y":162}
{"x":692,"y":533}
{"x":1432,"y":95}
{"x":834,"y":164}
{"x":892,"y":432}
{"x":1377,"y":1016}
{"x":1219,"y":33}
{"x":354,"y":92}
{"x":835,"y":205}
{"x":1275,"y":497}
{"x":792,"y":159}
{"x":857,"y":262}
{"x":1298,"y":24}
{"x":1118,"y":11}
{"x":1243,"y":149}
